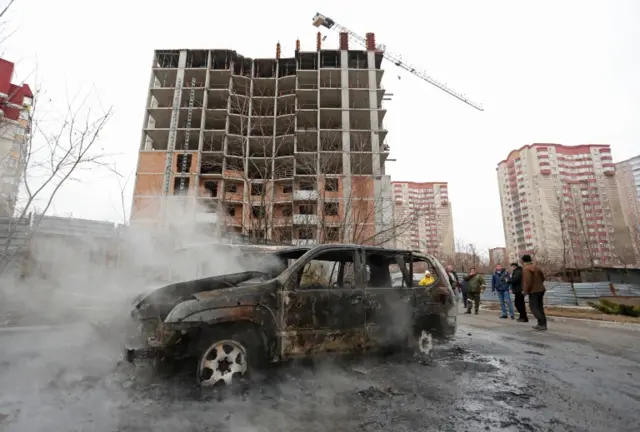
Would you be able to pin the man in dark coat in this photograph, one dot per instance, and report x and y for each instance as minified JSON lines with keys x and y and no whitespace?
{"x":533,"y":286}
{"x":516,"y":288}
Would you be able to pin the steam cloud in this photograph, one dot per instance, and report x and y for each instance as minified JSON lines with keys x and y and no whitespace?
{"x":68,"y":377}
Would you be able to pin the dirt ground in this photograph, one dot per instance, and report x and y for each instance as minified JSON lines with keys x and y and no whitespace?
{"x":581,"y":313}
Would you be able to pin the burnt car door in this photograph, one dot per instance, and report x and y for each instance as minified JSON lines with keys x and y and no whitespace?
{"x":436,"y":306}
{"x":322,"y":305}
{"x":388,"y":300}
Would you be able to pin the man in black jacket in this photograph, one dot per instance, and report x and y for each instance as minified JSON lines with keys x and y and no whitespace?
{"x":516,"y":288}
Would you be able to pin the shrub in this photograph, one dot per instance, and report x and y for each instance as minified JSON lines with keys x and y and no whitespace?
{"x":611,"y":308}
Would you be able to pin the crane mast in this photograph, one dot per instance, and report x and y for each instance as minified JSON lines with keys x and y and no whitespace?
{"x":324,"y":21}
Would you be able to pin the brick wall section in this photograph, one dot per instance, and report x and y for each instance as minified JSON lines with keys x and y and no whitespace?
{"x":344,"y":41}
{"x":371,"y":42}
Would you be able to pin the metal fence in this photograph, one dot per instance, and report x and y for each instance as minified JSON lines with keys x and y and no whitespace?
{"x":561,"y":293}
{"x":13,"y":235}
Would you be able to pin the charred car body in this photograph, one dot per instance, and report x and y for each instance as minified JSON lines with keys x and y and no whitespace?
{"x":305,"y":301}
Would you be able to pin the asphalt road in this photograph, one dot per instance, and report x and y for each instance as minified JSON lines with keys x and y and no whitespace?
{"x":496,"y":375}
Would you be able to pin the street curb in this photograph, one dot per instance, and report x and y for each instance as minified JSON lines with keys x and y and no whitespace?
{"x":595,"y":323}
{"x":588,"y":322}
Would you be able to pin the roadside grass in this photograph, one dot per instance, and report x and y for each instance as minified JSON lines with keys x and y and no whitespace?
{"x":572,"y":312}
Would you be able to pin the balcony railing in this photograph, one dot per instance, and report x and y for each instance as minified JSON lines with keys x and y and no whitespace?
{"x":305,"y":195}
{"x":305,"y":219}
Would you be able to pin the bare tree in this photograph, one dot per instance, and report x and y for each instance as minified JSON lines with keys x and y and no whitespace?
{"x":121,"y":207}
{"x":471,"y":250}
{"x":4,"y":35}
{"x":53,"y":157}
{"x":349,"y":208}
{"x":257,"y":138}
{"x":5,"y":9}
{"x":266,"y":166}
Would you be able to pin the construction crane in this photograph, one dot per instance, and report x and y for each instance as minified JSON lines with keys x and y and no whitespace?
{"x":324,"y":21}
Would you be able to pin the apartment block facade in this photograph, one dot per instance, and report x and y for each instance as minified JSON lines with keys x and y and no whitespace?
{"x":628,"y":178}
{"x":424,"y":220}
{"x":15,"y":125}
{"x":285,"y":149}
{"x":561,"y":203}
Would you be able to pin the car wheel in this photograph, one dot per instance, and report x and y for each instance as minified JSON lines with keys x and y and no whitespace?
{"x":227,"y":356}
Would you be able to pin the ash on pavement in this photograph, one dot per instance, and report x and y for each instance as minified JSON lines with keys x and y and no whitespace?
{"x":494,"y":376}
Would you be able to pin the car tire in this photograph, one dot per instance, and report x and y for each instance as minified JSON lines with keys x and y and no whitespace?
{"x":227,"y":355}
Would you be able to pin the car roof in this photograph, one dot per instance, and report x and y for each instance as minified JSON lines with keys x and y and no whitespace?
{"x":371,"y":249}
{"x":292,"y":249}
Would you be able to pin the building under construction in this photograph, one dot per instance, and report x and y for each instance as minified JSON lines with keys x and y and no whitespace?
{"x":283,"y":149}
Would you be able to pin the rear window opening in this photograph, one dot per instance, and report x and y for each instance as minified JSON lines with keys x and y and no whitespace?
{"x":412,"y":268}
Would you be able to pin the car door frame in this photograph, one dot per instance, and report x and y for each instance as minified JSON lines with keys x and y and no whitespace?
{"x":386,"y":307}
{"x":302,"y":338}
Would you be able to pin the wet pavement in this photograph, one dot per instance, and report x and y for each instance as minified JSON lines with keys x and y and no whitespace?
{"x":496,"y":375}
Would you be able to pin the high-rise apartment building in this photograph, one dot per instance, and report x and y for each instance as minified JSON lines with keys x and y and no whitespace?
{"x":562,"y":203}
{"x":285,"y":149}
{"x":628,"y":178}
{"x":423,"y":217}
{"x":15,"y":124}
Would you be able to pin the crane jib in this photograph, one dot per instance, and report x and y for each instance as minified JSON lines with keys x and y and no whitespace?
{"x":322,"y":20}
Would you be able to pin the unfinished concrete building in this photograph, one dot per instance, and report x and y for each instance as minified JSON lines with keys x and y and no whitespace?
{"x":283,"y":149}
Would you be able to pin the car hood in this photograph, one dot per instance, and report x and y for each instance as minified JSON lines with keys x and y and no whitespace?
{"x":159,"y":303}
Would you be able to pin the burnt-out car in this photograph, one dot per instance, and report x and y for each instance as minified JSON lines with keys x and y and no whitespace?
{"x":306,"y":301}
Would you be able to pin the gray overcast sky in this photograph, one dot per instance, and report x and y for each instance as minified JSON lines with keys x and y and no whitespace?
{"x":560,"y":71}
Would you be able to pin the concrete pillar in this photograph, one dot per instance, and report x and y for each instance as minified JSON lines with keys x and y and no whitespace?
{"x":373,"y":113}
{"x":175,"y":115}
{"x":346,"y":140}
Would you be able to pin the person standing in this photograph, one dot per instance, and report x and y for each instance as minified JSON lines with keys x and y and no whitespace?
{"x":475,"y":284}
{"x":453,"y":279}
{"x":464,"y":288}
{"x":533,"y":286}
{"x":516,"y":288}
{"x":500,"y":284}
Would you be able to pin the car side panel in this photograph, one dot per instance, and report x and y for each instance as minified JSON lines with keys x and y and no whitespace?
{"x":389,"y":316}
{"x":322,"y":321}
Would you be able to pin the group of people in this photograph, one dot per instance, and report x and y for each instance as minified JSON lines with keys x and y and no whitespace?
{"x":525,"y":280}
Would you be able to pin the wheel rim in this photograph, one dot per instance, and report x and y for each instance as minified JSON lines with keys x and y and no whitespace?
{"x":222,"y":362}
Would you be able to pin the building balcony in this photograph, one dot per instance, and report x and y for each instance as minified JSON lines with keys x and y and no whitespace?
{"x":305,"y":195}
{"x":305,"y":219}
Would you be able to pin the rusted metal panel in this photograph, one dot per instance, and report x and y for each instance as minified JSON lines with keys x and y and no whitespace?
{"x":325,"y":320}
{"x":308,"y":343}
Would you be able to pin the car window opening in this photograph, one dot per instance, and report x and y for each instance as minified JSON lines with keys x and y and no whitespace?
{"x":328,"y":270}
